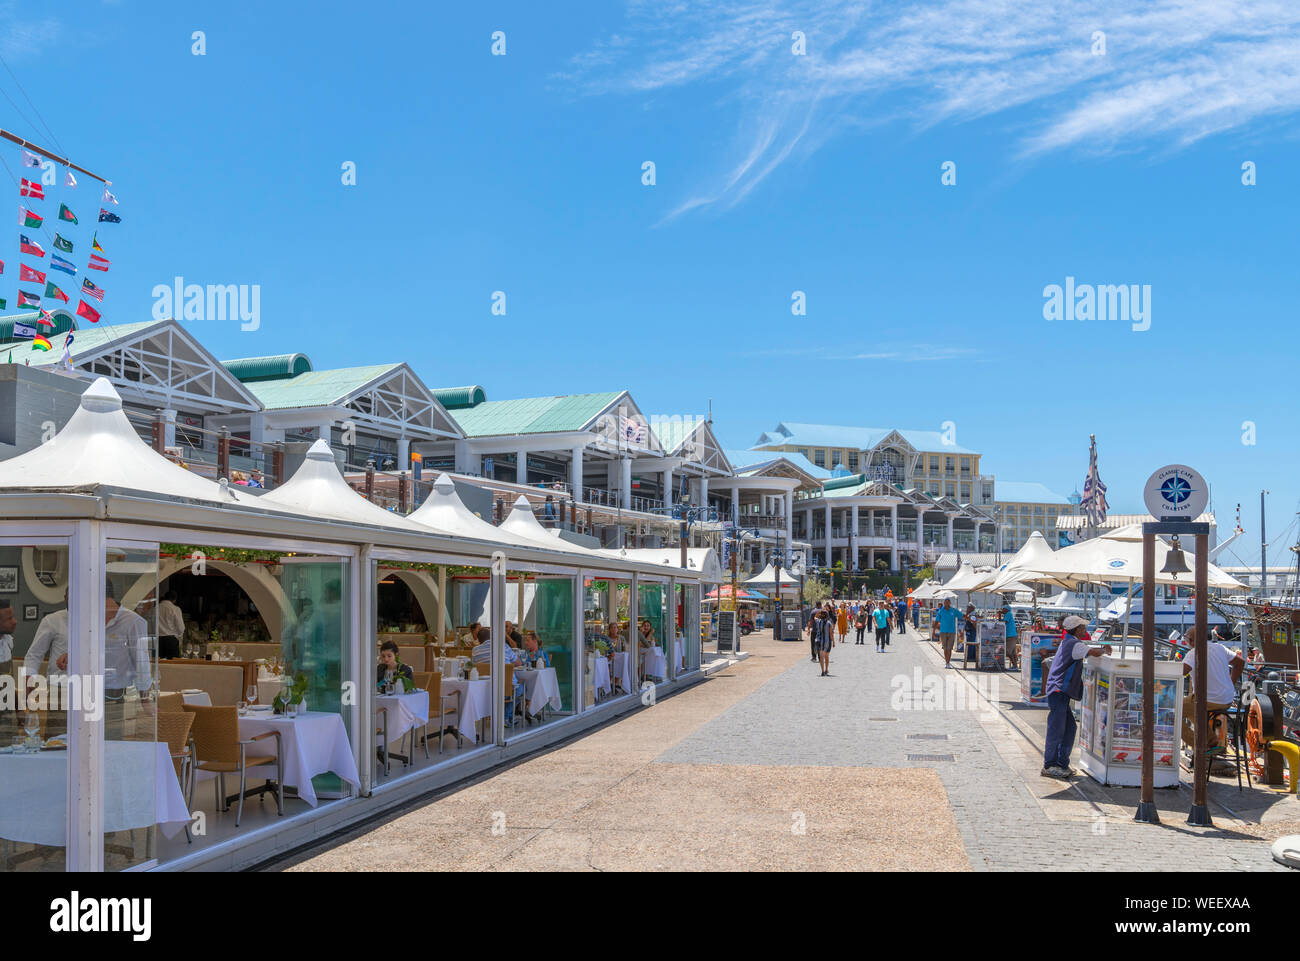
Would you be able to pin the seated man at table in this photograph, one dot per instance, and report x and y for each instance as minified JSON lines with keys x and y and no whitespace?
{"x":533,"y":652}
{"x":483,"y":654}
{"x":391,"y":666}
{"x":513,"y":637}
{"x":1222,"y":672}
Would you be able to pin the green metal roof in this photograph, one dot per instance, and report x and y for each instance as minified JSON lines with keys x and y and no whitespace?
{"x":84,"y":340}
{"x":248,"y":369}
{"x":533,"y":415}
{"x":316,"y":388}
{"x":459,"y":398}
{"x":63,"y":322}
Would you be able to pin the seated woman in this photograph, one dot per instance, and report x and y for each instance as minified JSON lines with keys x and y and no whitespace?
{"x":647,"y":635}
{"x":616,"y":642}
{"x":391,"y":666}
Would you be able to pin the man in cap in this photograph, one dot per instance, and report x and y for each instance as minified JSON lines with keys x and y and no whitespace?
{"x":1065,"y":684}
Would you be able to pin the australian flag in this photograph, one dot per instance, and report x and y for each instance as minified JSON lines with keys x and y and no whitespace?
{"x":108,"y":217}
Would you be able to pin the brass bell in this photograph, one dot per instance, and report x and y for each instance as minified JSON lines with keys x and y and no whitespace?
{"x":1175,"y":563}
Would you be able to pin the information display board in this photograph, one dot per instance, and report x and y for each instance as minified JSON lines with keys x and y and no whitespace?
{"x":1110,"y":720}
{"x":726,"y":631}
{"x":991,"y":638}
{"x":1041,"y":645}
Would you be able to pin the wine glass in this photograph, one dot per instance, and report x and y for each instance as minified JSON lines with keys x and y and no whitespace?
{"x":31,"y":725}
{"x":251,"y":694}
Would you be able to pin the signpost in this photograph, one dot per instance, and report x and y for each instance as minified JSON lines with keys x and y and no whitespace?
{"x":1175,"y":495}
{"x":726,"y":632}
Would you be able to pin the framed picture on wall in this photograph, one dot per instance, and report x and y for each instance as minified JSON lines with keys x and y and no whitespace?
{"x":8,"y":580}
{"x":46,"y":578}
{"x":31,"y":612}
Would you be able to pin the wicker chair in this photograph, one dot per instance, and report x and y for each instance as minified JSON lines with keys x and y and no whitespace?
{"x":440,"y":710}
{"x":220,"y":750}
{"x":174,"y":728}
{"x":171,"y":703}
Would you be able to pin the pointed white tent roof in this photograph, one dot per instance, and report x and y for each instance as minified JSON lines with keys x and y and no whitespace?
{"x":523,"y":524}
{"x":445,"y":513}
{"x":98,"y":447}
{"x":701,"y":559}
{"x":768,"y":576}
{"x":317,"y":489}
{"x":1033,"y":555}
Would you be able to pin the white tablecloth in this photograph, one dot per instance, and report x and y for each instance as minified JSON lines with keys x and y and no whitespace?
{"x":137,"y":792}
{"x":681,"y":660}
{"x":542,"y":688}
{"x":314,"y":743}
{"x":405,"y":711}
{"x":622,"y":669}
{"x":600,"y":675}
{"x":475,"y":703}
{"x":656,"y":665}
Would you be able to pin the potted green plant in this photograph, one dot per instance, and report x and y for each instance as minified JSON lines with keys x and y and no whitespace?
{"x":291,"y":695}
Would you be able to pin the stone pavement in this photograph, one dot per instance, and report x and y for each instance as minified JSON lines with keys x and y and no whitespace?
{"x":769,"y":766}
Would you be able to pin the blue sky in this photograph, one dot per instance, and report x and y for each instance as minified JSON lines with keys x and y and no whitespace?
{"x":775,"y":173}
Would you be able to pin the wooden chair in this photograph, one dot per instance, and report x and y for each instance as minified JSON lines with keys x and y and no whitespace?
{"x":171,"y":703}
{"x":440,"y":710}
{"x":174,"y":728}
{"x":220,"y":750}
{"x":484,"y":668}
{"x":381,"y":732}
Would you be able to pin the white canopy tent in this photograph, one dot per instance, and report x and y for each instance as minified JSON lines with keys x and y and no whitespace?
{"x":702,"y":559}
{"x":766,"y":579}
{"x":318,"y":489}
{"x":1033,"y":555}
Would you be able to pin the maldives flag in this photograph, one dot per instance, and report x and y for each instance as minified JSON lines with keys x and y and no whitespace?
{"x":27,"y":218}
{"x":52,"y":291}
{"x":85,"y":310}
{"x":30,"y":246}
{"x":28,"y":300}
{"x":27,"y":273}
{"x":66,"y":214}
{"x":29,"y":189}
{"x":98,"y":263}
{"x":89,"y":289}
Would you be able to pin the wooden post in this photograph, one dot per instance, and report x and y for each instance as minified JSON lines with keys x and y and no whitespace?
{"x":277,"y":466}
{"x":223,"y":453}
{"x":159,"y":434}
{"x":496,"y":511}
{"x":370,"y":480}
{"x":403,"y":493}
{"x":1199,"y":814}
{"x":1146,"y":811}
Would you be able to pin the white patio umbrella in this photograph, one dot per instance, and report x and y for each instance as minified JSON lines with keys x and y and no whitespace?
{"x":1030,"y":559}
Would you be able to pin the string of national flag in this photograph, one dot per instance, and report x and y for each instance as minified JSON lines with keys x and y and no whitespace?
{"x":97,"y":257}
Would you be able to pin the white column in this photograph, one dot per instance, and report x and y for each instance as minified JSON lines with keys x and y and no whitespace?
{"x":403,"y":453}
{"x":829,"y":532}
{"x":893,"y":544}
{"x":169,"y":427}
{"x":521,"y":467}
{"x":670,"y":497}
{"x":465,"y":460}
{"x":853,"y":537}
{"x":787,"y":508}
{"x":575,"y":473}
{"x":950,"y":520}
{"x":625,"y":482}
{"x":704,"y":492}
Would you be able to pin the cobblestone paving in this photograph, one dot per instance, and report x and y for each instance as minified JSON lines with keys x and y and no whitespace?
{"x":865,"y":714}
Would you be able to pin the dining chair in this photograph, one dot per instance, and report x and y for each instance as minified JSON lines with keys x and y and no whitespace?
{"x":173,"y":727}
{"x":440,"y":710}
{"x":171,"y":703}
{"x":381,"y":732}
{"x":218,"y":749}
{"x":514,"y":698}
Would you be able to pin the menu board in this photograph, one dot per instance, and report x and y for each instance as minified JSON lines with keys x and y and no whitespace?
{"x":1040,"y":645}
{"x":1126,"y":733}
{"x":726,"y":631}
{"x":992,"y":639}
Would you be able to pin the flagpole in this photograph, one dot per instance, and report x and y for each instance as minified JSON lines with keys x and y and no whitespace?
{"x":52,"y":156}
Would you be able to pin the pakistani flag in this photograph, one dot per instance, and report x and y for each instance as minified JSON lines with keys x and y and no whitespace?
{"x":62,"y":244}
{"x":66,"y":214}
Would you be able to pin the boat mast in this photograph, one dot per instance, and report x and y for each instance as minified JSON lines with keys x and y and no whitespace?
{"x":1263,"y":550}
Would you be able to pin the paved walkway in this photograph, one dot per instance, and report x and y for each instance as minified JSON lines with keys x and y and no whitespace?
{"x":769,"y":766}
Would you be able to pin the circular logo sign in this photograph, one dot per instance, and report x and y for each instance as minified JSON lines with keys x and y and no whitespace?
{"x":1176,"y":493}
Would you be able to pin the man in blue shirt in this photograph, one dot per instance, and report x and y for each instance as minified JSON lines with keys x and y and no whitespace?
{"x":947,"y":619}
{"x":902,"y":615}
{"x":881,"y":617}
{"x":1013,"y":637}
{"x":1064,"y":684}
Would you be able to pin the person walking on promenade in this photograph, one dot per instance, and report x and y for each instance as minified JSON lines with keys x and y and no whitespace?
{"x":812,"y":630}
{"x":969,"y":622}
{"x":881,"y":617}
{"x":916,"y":614}
{"x":822,"y":631}
{"x":888,"y":608}
{"x":902,"y":615}
{"x":946,"y":619}
{"x":860,"y":623}
{"x":1065,"y":684}
{"x":842,"y":622}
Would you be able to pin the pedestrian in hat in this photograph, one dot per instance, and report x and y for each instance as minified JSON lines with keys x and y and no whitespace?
{"x":1065,"y":684}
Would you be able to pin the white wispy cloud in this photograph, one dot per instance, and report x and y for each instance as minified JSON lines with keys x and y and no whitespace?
{"x":1174,"y":71}
{"x":23,"y":38}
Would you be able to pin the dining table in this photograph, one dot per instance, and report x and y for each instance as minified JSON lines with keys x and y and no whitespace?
{"x":404,"y":711}
{"x":600,"y":675}
{"x":475,"y":703}
{"x":140,"y":789}
{"x":656,"y":664}
{"x":541,"y":688}
{"x":314,"y":742}
{"x":622,"y":670}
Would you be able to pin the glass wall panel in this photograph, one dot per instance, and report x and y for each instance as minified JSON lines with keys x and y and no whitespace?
{"x":652,"y":630}
{"x":138,"y":769}
{"x":688,"y":627}
{"x":33,"y":708}
{"x":553,"y":638}
{"x":608,"y":657}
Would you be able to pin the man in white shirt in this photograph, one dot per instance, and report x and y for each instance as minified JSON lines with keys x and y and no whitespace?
{"x":1222,"y":672}
{"x":171,"y":627}
{"x":51,"y":641}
